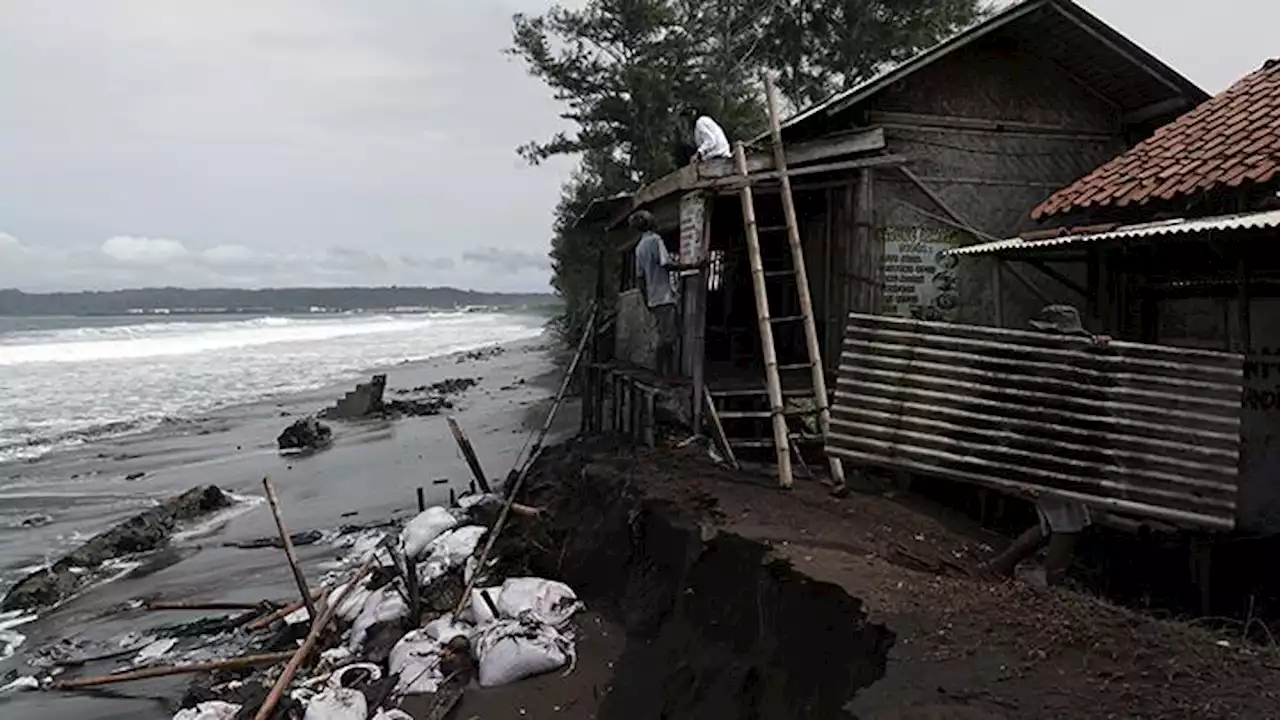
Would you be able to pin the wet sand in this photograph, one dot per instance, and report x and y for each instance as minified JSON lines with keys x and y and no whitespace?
{"x":372,"y":469}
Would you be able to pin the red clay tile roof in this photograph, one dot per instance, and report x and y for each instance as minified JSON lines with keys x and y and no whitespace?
{"x":1230,"y":140}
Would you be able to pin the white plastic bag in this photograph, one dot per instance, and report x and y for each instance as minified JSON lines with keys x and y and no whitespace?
{"x":425,"y":527}
{"x":213,"y":710}
{"x":416,"y":660}
{"x":383,"y":604}
{"x":349,"y":676}
{"x":337,"y":703}
{"x":445,"y":628}
{"x":154,"y":651}
{"x":511,"y":650}
{"x":546,"y":601}
{"x":481,"y":613}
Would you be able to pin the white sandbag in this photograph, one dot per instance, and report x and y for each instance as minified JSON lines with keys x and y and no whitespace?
{"x":511,"y":650}
{"x":445,"y":628}
{"x":480,"y":612}
{"x":26,"y":682}
{"x":425,"y":527}
{"x":383,"y":604}
{"x":546,"y":601}
{"x":337,"y":704}
{"x":351,"y":606}
{"x":454,"y":547}
{"x":416,"y":660}
{"x":213,"y":710}
{"x":154,"y":651}
{"x":466,"y":502}
{"x":392,"y":714}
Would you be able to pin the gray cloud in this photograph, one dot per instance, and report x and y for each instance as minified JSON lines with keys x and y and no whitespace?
{"x":322,"y":141}
{"x":507,"y":261}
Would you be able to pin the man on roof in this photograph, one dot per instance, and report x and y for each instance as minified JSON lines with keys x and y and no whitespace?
{"x":709,"y":140}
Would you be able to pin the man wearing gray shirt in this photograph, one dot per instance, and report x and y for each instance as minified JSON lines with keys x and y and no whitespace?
{"x":654,"y":268}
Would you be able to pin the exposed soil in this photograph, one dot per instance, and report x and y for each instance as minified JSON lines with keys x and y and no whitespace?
{"x":738,"y":600}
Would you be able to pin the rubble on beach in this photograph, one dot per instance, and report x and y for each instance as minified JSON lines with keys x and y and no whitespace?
{"x":408,"y":611}
{"x":305,"y":434}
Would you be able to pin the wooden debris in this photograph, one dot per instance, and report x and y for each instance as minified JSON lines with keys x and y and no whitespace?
{"x":313,"y":637}
{"x":246,"y":661}
{"x":210,"y":606}
{"x":289,"y":552}
{"x":469,"y":453}
{"x":283,"y":612}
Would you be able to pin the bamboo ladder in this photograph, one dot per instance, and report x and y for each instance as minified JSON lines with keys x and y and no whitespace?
{"x":773,"y":382}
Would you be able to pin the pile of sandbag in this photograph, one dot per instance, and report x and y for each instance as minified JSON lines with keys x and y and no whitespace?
{"x":511,"y":629}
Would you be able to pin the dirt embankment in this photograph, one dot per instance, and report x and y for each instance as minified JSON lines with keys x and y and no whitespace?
{"x":741,"y":601}
{"x":718,"y":625}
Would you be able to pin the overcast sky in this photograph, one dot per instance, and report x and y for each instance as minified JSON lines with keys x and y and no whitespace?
{"x":323,"y":142}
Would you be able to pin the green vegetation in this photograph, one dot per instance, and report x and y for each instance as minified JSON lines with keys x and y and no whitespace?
{"x":624,"y":69}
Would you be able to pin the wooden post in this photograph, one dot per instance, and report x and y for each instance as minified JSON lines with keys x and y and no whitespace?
{"x":781,"y":440}
{"x":469,"y":453}
{"x":997,"y":290}
{"x":817,"y":369}
{"x":422,"y":500}
{"x":633,"y":399}
{"x":289,"y":552}
{"x":718,"y":435}
{"x":1244,"y":312}
{"x":648,"y":432}
{"x":617,"y":402}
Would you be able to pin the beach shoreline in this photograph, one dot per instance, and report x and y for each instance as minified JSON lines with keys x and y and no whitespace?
{"x":370,"y":473}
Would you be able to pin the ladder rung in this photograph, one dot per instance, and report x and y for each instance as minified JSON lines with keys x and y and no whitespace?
{"x":763,"y":414}
{"x":778,"y":273}
{"x":786,"y":318}
{"x":771,"y":228}
{"x":796,"y":366}
{"x":759,"y":392}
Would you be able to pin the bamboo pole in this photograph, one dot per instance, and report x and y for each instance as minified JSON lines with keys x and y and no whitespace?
{"x":313,"y":637}
{"x":781,"y":440}
{"x":289,"y":552}
{"x":718,"y":434}
{"x":469,"y":454}
{"x":283,"y":612}
{"x":816,"y":368}
{"x":246,"y":661}
{"x":514,"y":489}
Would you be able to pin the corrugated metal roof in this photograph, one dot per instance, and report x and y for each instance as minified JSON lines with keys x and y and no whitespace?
{"x":1143,"y":430}
{"x":1231,"y":141}
{"x":1131,"y":77}
{"x":1241,"y":221}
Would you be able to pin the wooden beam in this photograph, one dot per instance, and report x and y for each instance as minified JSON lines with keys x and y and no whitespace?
{"x":955,"y":122}
{"x":853,"y":143}
{"x":858,"y":164}
{"x":1117,"y":49}
{"x":1062,"y":280}
{"x":942,"y":204}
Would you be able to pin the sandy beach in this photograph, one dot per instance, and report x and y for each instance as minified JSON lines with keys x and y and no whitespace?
{"x":370,"y":474}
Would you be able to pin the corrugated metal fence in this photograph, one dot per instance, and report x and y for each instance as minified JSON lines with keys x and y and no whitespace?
{"x":1145,"y":430}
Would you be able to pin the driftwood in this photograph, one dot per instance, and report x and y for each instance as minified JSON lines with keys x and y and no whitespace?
{"x":469,"y":453}
{"x":77,"y":662}
{"x":313,"y":637}
{"x":198,"y":605}
{"x":513,"y":488}
{"x":246,"y":661}
{"x":290,"y":554}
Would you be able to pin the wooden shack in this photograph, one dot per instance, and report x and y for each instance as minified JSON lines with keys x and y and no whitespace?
{"x":952,"y":147}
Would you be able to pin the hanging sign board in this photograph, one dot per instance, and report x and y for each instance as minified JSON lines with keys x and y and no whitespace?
{"x":693,"y":209}
{"x":919,"y":281}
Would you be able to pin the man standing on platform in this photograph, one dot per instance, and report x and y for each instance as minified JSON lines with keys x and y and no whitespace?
{"x":654,"y":270}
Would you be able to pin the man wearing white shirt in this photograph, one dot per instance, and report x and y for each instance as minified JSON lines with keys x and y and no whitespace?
{"x":709,"y":140}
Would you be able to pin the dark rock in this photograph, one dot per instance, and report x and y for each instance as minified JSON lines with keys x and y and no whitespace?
{"x":144,"y":532}
{"x":305,"y":434}
{"x":135,"y":476}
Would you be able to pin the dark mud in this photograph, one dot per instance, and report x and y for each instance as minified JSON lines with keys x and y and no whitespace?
{"x":717,"y":625}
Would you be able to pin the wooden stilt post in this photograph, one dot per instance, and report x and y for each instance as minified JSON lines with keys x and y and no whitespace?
{"x":289,"y":552}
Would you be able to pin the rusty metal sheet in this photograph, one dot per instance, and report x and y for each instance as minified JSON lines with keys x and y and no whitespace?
{"x":1143,"y":430}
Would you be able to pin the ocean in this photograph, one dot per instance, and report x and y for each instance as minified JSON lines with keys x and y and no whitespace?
{"x":65,"y":380}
